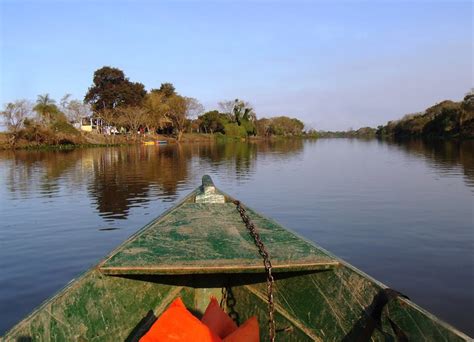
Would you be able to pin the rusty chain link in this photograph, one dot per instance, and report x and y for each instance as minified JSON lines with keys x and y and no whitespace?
{"x":266,"y":262}
{"x":228,"y":300}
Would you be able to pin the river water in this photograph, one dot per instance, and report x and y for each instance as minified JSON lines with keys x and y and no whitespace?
{"x":401,"y":212}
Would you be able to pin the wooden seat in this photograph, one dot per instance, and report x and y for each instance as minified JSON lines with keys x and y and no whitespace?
{"x":206,"y":238}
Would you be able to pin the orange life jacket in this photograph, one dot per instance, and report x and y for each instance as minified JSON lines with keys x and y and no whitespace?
{"x":177,"y":324}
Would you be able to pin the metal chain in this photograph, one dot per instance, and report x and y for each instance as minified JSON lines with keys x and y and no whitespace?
{"x":228,"y":300}
{"x":266,"y":262}
{"x":224,"y":297}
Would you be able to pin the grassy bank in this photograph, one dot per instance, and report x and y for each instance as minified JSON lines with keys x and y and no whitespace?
{"x":69,"y":141}
{"x":86,"y":140}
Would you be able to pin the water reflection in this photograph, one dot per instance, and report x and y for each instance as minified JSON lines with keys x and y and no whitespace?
{"x":443,"y":156}
{"x":38,"y":172}
{"x":375,"y":203}
{"x":119,"y":179}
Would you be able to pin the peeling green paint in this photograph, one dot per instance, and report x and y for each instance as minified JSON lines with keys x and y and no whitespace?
{"x":195,"y":250}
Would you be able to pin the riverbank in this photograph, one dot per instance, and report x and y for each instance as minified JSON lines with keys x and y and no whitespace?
{"x":65,"y":141}
{"x":71,"y":141}
{"x":447,"y":119}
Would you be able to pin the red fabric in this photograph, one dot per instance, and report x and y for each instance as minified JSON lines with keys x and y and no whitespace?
{"x":177,"y":324}
{"x":247,"y":332}
{"x":217,"y":320}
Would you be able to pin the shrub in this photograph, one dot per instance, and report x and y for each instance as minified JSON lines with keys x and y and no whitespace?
{"x":234,"y":130}
{"x":62,"y":126}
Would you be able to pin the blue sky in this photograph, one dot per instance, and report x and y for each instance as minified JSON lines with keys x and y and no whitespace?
{"x":333,"y":64}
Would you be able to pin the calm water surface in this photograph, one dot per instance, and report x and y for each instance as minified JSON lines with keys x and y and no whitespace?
{"x":401,"y":212}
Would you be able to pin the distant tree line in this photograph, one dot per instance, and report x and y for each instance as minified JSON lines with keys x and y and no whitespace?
{"x":121,"y":103}
{"x":237,"y":118}
{"x":445,"y":119}
{"x":363,"y":132}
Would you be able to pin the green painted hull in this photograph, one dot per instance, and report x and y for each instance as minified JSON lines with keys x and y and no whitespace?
{"x":196,"y":250}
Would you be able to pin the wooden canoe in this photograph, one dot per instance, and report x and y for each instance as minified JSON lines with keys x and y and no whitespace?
{"x":201,"y":248}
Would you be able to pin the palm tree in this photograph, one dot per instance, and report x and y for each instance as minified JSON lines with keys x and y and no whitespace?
{"x":45,"y":107}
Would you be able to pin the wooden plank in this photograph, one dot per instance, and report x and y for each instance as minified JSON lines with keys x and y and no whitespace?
{"x":211,"y":238}
{"x":132,"y":270}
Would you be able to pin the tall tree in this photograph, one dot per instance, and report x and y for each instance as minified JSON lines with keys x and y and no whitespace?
{"x":46,"y":108}
{"x":238,"y":111}
{"x":178,"y":114}
{"x":157,"y":109}
{"x":111,"y":89}
{"x":15,"y":114}
{"x":132,"y":118}
{"x":64,"y":102}
{"x":243,"y":112}
{"x":74,"y":110}
{"x":212,"y":122}
{"x":167,"y":89}
{"x":264,"y":127}
{"x":193,"y":107}
{"x":227,"y":107}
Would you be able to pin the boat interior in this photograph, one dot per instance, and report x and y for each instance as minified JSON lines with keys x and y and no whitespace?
{"x":202,"y":248}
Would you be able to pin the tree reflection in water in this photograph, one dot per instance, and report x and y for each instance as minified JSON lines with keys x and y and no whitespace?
{"x":443,"y":155}
{"x":53,"y":206}
{"x":120,"y":178}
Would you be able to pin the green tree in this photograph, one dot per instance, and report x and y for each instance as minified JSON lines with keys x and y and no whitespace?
{"x":241,"y":113}
{"x":280,"y":125}
{"x":132,"y":118}
{"x":156,"y":109}
{"x":264,"y":127}
{"x":111,"y":89}
{"x":468,"y":101}
{"x":166,"y":89}
{"x":212,"y":122}
{"x":177,"y":114}
{"x":233,"y":130}
{"x":46,"y":108}
{"x":51,"y":117}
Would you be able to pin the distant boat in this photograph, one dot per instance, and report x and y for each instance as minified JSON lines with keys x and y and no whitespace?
{"x":157,"y":142}
{"x":202,"y":248}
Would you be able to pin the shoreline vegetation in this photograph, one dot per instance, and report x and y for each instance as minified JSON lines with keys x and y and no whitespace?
{"x":444,"y":120}
{"x":116,"y":111}
{"x":89,"y":140}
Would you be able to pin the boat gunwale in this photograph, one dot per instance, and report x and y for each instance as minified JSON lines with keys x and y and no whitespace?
{"x":74,"y":281}
{"x":340,"y":262}
{"x":344,"y":263}
{"x":404,"y":300}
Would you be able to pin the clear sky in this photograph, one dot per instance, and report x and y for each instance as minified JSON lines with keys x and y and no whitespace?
{"x":333,"y":64}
